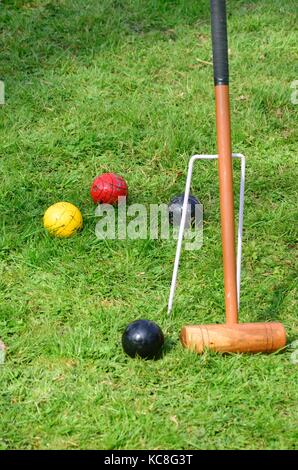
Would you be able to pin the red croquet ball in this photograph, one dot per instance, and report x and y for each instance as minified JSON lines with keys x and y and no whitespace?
{"x":107,"y":187}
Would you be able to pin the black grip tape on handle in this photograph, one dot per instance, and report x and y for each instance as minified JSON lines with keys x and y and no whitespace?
{"x":219,"y":42}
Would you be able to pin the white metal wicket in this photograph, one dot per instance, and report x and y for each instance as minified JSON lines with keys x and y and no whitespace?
{"x":183,"y":220}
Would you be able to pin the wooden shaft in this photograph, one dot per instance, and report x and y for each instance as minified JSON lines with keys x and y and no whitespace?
{"x":237,"y":338}
{"x":226,"y":200}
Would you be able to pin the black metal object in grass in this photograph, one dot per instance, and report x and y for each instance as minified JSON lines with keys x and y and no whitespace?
{"x":175,"y":210}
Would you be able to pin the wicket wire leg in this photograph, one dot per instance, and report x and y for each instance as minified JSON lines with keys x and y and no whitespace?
{"x":183,"y":220}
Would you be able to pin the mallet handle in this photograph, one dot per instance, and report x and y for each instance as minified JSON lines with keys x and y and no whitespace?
{"x":221,"y":81}
{"x":219,"y":42}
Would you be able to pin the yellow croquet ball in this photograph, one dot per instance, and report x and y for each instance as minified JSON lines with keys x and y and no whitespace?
{"x":62,"y":219}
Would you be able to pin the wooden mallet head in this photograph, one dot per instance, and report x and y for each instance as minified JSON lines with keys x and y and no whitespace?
{"x":234,"y":338}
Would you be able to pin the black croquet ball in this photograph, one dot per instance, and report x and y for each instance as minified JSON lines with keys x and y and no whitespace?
{"x":143,"y":338}
{"x":175,"y":210}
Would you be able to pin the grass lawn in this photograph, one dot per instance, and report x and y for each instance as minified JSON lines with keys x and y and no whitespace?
{"x":125,"y":86}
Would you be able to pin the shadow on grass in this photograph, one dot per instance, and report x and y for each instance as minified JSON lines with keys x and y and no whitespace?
{"x":272,"y":312}
{"x":278,"y":298}
{"x":169,"y":345}
{"x":36,"y":32}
